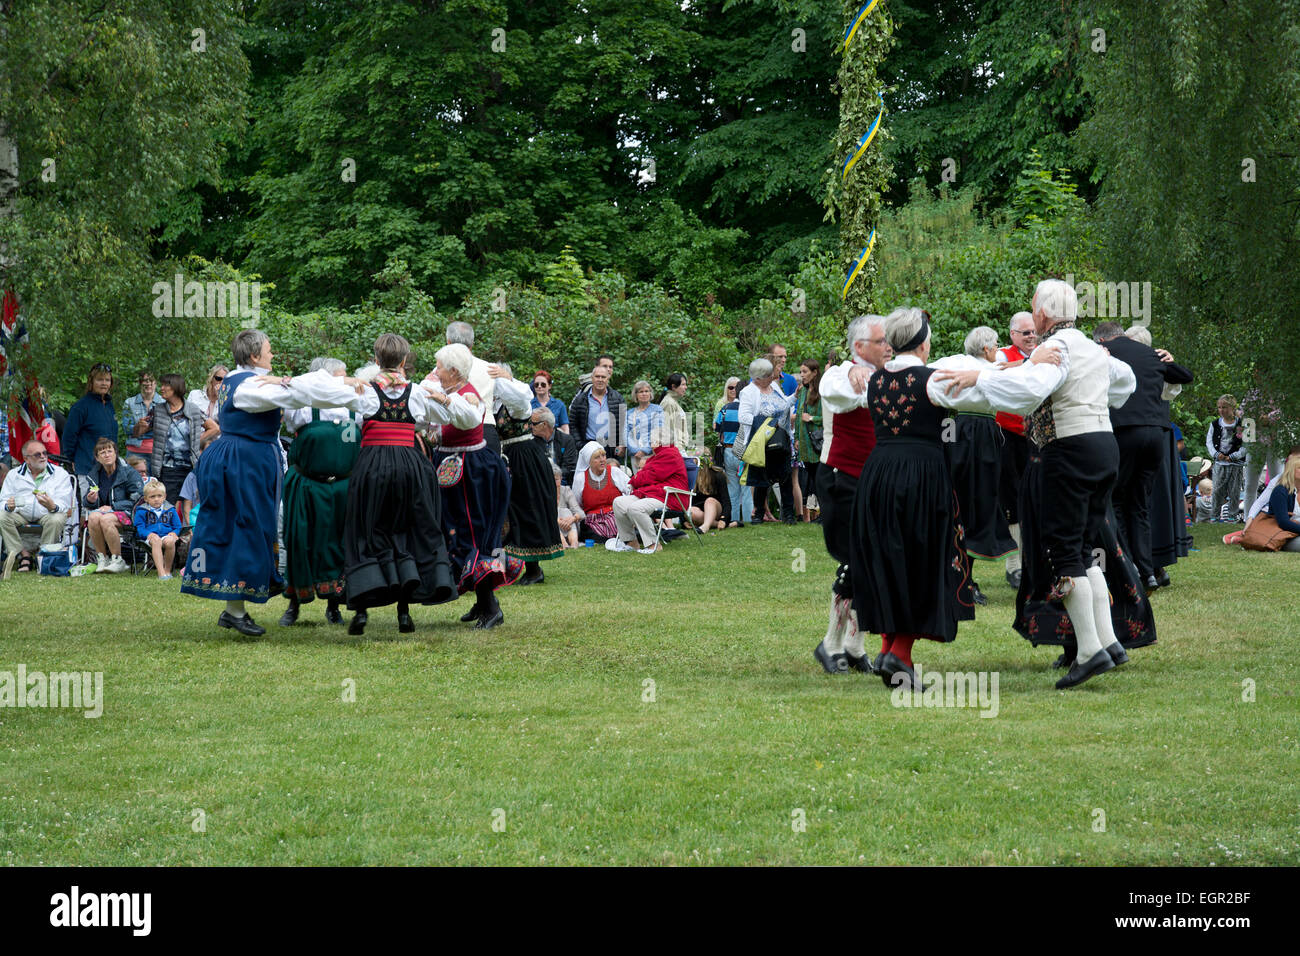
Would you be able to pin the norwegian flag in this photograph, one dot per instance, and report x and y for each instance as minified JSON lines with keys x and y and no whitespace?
{"x":26,"y":413}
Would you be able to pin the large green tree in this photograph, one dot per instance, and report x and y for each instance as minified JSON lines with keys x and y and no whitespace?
{"x":113,"y":110}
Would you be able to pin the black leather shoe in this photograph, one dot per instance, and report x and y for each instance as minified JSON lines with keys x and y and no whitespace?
{"x":473,"y":614}
{"x":1062,"y":661}
{"x":1013,"y":578}
{"x":1116,"y":653}
{"x":1162,"y":578}
{"x":831,"y":663}
{"x":404,"y":624}
{"x":1099,"y":663}
{"x":537,"y":578}
{"x":977,"y":595}
{"x":1151,"y":583}
{"x":244,"y":625}
{"x":358,"y":625}
{"x":290,"y":617}
{"x":891,"y":666}
{"x":333,"y":615}
{"x":877,"y":662}
{"x":487,"y":623}
{"x":861,"y":664}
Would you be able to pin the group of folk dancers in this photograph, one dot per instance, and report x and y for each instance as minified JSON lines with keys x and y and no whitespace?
{"x":889,"y":492}
{"x":368,"y":517}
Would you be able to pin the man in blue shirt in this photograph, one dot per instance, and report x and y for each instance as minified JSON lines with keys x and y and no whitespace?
{"x":778,"y":354}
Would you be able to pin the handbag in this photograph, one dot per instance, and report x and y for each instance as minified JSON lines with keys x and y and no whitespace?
{"x":450,"y":470}
{"x":55,"y":562}
{"x":1264,"y":534}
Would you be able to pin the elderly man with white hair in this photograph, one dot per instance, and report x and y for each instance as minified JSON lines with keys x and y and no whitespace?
{"x":848,"y":437}
{"x":1080,"y":465}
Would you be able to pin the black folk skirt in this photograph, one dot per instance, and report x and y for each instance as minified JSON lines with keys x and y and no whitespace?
{"x":975,"y":460}
{"x":908,"y":563}
{"x":532,"y":531}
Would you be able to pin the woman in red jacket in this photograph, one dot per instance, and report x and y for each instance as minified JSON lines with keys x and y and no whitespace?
{"x":665,"y":466}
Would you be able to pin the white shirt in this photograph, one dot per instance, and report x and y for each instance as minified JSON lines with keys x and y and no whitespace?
{"x":20,"y":485}
{"x":295,"y":419}
{"x":516,"y":396}
{"x":199,"y":399}
{"x":755,"y":403}
{"x":621,"y":481}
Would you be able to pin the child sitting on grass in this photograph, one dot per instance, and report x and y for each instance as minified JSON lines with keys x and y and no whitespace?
{"x":158,"y":525}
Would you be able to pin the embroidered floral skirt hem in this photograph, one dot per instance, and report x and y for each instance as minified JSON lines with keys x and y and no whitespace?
{"x":532,"y":534}
{"x":473,"y":515}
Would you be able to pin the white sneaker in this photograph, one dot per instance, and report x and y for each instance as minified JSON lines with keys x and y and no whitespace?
{"x":116,"y":564}
{"x":101,"y":562}
{"x":614,"y":544}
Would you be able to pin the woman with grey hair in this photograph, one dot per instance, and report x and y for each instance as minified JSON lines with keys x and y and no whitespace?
{"x":232,"y":552}
{"x":911,"y":575}
{"x":975,"y":463}
{"x":762,"y":404}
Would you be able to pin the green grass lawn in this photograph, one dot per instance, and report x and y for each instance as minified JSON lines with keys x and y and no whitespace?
{"x":541,"y":727}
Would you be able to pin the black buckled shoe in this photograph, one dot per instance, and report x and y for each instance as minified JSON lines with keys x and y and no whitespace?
{"x":977,"y":595}
{"x":473,"y":614}
{"x":537,"y":578}
{"x":333,"y":615}
{"x":831,"y":663}
{"x":1162,"y":578}
{"x":244,"y":624}
{"x":487,"y":622}
{"x":1151,"y":584}
{"x":1013,"y":578}
{"x":1099,"y":663}
{"x":290,"y":617}
{"x":877,"y":662}
{"x":863,"y":664}
{"x":891,"y":667}
{"x":405,"y":624}
{"x":1116,"y":652}
{"x":1062,"y":661}
{"x":358,"y":625}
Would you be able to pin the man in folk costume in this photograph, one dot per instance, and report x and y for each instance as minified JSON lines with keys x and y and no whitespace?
{"x":849,"y":437}
{"x":321,"y":458}
{"x":462,"y":333}
{"x":1015,"y":448}
{"x":1080,"y":465}
{"x":232,"y":552}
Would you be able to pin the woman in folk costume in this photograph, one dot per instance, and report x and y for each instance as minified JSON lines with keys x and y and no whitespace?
{"x":232,"y":552}
{"x":321,"y":458}
{"x":911,"y":575}
{"x":975,"y":463}
{"x":475,"y":496}
{"x":394,"y":547}
{"x":532,"y":535}
{"x":597,"y":481}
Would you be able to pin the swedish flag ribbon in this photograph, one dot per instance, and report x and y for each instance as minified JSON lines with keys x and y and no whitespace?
{"x":857,"y":266}
{"x":864,"y":142}
{"x":863,"y":12}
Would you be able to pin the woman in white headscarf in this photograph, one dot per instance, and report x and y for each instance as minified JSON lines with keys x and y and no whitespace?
{"x":596,"y":483}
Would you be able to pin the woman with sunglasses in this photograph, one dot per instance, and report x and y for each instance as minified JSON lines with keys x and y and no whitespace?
{"x":91,"y":418}
{"x":726,"y":423}
{"x":542,"y":398}
{"x":205,"y":400}
{"x":177,"y":436}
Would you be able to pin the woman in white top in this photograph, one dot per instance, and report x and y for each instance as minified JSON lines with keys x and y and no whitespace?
{"x":205,"y":400}
{"x":762,"y":399}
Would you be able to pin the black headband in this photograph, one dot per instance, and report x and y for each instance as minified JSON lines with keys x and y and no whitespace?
{"x":918,"y":338}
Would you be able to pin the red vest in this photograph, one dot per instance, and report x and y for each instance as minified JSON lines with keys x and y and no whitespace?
{"x":599,"y":499}
{"x":1012,"y":423}
{"x":453,"y":437}
{"x":853,"y":435}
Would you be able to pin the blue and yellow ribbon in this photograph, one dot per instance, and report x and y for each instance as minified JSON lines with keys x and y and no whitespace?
{"x":864,"y":142}
{"x":863,"y":13}
{"x":857,"y":266}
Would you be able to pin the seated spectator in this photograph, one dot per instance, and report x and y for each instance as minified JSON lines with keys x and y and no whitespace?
{"x":89,"y":420}
{"x":115,"y":487}
{"x":569,"y":511}
{"x":664,"y":467}
{"x":140,"y":465}
{"x":36,"y":492}
{"x":597,"y":482}
{"x":642,"y":419}
{"x":559,"y":446}
{"x":187,"y":506}
{"x":159,"y":526}
{"x":1262,"y":502}
{"x":137,"y":417}
{"x":542,"y":398}
{"x":206,"y":401}
{"x":1281,"y":502}
{"x":178,"y":434}
{"x":708,"y":503}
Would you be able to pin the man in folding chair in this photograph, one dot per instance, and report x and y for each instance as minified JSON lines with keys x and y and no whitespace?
{"x":38,"y":494}
{"x":660,"y":484}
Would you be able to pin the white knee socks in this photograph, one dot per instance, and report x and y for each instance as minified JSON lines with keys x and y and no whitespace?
{"x":1078,"y":604}
{"x":834,"y":640}
{"x":1013,"y":559}
{"x":1101,"y":607}
{"x":853,"y":639}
